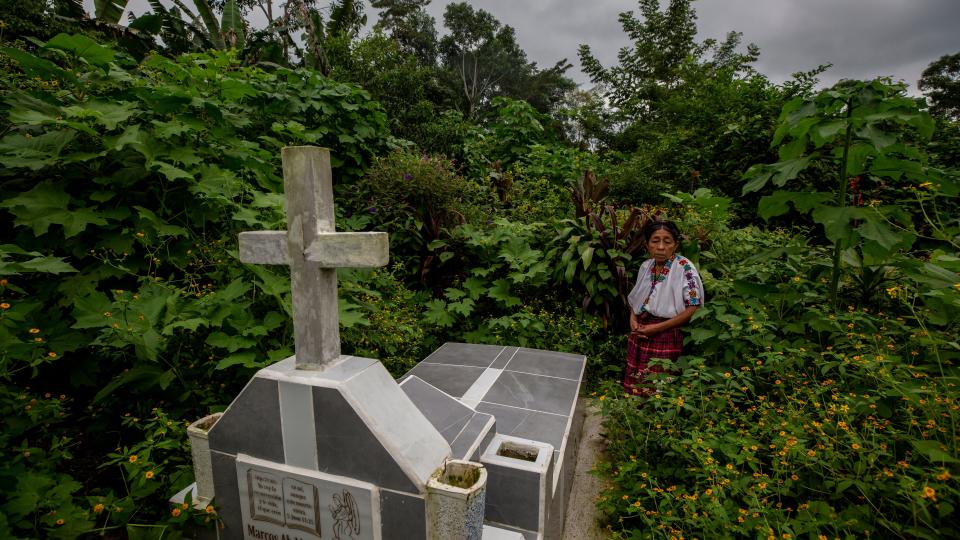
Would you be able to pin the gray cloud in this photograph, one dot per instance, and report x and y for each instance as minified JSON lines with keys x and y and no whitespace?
{"x":861,"y":38}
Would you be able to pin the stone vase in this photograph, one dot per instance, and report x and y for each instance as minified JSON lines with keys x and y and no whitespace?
{"x":200,"y":450}
{"x":456,"y":496}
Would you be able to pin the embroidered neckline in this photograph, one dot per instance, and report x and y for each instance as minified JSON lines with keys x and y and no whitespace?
{"x":656,"y":276}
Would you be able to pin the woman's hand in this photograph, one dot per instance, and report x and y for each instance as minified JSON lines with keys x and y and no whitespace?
{"x":646,"y":331}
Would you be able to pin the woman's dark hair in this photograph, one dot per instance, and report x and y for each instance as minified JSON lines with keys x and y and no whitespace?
{"x":655,"y":225}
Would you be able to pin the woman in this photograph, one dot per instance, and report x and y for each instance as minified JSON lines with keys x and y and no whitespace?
{"x":667,"y":293}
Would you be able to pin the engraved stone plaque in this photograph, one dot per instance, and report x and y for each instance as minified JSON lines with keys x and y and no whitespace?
{"x":281,"y":502}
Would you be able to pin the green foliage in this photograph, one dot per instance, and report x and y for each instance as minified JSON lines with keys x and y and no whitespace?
{"x":492,"y":266}
{"x":396,"y":80}
{"x":481,"y":60}
{"x":122,"y":190}
{"x":864,"y":131}
{"x":675,"y":114}
{"x":940,"y":82}
{"x":417,"y":197}
{"x":788,"y":418}
{"x":591,"y":253}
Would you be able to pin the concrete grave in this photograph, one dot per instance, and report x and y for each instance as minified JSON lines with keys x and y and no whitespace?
{"x":323,"y":445}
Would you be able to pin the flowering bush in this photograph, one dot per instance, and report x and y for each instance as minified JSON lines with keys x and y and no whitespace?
{"x":789,"y":419}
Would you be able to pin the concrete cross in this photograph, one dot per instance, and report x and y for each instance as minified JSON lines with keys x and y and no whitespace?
{"x":314,"y":251}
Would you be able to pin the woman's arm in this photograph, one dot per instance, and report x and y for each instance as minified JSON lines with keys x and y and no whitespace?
{"x":650,"y":330}
{"x":634,"y":322}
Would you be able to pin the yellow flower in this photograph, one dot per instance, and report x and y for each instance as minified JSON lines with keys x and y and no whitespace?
{"x":52,"y":354}
{"x":944,"y":476}
{"x":855,"y":446}
{"x":208,"y":509}
{"x":184,"y":506}
{"x":149,"y":474}
{"x":59,"y":522}
{"x":175,"y":512}
{"x":34,"y":330}
{"x":925,"y":184}
{"x":133,"y":458}
{"x":98,"y":508}
{"x":929,"y":493}
{"x":4,"y":306}
{"x":726,"y":374}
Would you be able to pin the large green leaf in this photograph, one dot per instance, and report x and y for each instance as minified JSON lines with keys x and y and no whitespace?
{"x":757,"y":177}
{"x":103,"y":113}
{"x":875,"y":228}
{"x":232,"y":26}
{"x":109,"y":10}
{"x":47,"y":204}
{"x":34,"y":66}
{"x":777,"y":203}
{"x":836,"y":222}
{"x":857,"y":158}
{"x":84,"y":48}
{"x":935,"y":451}
{"x":438,"y":314}
{"x":501,"y":291}
{"x":785,"y":171}
{"x":17,"y":150}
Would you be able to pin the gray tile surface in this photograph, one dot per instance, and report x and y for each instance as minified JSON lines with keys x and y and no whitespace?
{"x":346,"y":447}
{"x":546,"y":394}
{"x":444,"y":412}
{"x":485,"y":443}
{"x":454,"y":380}
{"x":513,"y":497}
{"x":226,"y":492}
{"x":554,"y":364}
{"x":402,"y":516}
{"x":527,"y":424}
{"x":465,"y":354}
{"x":474,"y":429}
{"x":251,"y":425}
{"x":504,"y":357}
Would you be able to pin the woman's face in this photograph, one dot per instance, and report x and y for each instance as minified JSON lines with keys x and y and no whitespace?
{"x":661,"y":245}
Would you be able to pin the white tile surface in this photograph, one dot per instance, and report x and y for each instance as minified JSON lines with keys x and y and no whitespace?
{"x":299,"y":429}
{"x":472,"y":397}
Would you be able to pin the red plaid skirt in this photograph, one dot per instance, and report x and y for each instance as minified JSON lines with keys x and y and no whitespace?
{"x":640,"y":351}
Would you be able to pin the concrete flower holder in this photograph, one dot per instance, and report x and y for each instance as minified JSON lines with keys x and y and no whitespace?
{"x":202,"y":467}
{"x":456,"y":496}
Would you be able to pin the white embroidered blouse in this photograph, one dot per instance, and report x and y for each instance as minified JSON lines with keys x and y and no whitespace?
{"x":665,"y":294}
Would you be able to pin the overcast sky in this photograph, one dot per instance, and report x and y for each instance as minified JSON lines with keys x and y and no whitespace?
{"x":861,"y":38}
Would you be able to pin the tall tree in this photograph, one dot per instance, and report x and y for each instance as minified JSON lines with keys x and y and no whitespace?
{"x":663,"y":41}
{"x":940,"y":82}
{"x":481,"y":54}
{"x":482,"y":59}
{"x":409,"y":24}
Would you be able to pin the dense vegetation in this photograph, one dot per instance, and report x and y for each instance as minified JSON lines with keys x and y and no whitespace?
{"x":818,"y":398}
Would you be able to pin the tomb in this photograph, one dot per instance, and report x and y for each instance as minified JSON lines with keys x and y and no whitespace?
{"x":476,"y":441}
